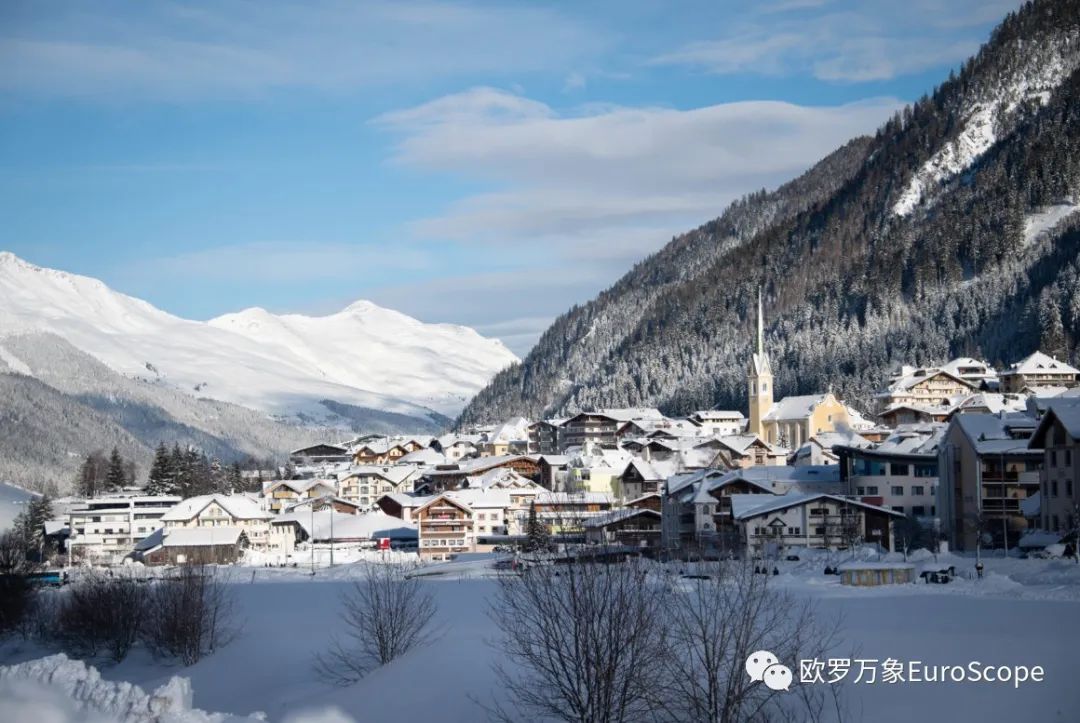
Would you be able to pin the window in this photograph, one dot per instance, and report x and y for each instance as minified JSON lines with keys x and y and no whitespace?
{"x":918,"y":490}
{"x":918,"y":510}
{"x":897,"y":490}
{"x":1054,"y":522}
{"x":898,"y":508}
{"x":819,"y":511}
{"x":860,"y":490}
{"x":793,"y":531}
{"x":820,"y":530}
{"x":1068,"y":487}
{"x":899,"y":470}
{"x":926,"y":470}
{"x":871,"y":490}
{"x":1053,"y":458}
{"x":933,"y":491}
{"x":933,"y":510}
{"x":1053,"y":489}
{"x":868,"y":468}
{"x":1068,"y":458}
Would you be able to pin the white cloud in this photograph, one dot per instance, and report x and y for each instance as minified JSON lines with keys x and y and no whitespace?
{"x":588,"y":178}
{"x":177,"y":52}
{"x":848,"y":42}
{"x":576,"y":197}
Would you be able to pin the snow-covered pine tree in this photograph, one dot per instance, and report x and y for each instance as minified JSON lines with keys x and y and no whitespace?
{"x":162,"y":475}
{"x":116,"y":477}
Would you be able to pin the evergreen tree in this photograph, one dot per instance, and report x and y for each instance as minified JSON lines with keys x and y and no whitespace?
{"x":116,"y":477}
{"x":539,"y":538}
{"x":161,"y":480}
{"x":235,"y":481}
{"x":92,"y":474}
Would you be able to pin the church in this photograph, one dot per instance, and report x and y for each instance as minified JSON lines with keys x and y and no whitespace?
{"x":792,"y":421}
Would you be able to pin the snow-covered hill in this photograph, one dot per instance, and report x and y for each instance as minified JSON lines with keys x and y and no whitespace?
{"x":364,"y":356}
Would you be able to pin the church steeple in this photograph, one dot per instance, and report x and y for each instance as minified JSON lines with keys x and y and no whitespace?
{"x":760,"y":379}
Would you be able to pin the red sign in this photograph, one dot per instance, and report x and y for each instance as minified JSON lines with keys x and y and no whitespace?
{"x":384,"y":543}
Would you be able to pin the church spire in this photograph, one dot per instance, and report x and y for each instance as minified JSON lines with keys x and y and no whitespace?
{"x":760,"y":325}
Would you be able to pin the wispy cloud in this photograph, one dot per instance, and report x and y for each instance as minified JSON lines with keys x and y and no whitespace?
{"x":594,"y":175}
{"x":177,"y":52}
{"x":842,"y":41}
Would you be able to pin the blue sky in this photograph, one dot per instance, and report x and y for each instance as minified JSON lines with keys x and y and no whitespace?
{"x":484,"y":163}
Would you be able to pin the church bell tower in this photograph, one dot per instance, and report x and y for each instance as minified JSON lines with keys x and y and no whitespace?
{"x":760,"y":379}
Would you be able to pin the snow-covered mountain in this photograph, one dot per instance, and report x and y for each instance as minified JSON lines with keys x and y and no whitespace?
{"x":364,"y":356}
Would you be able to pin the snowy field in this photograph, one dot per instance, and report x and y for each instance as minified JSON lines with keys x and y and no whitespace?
{"x":1024,"y":612}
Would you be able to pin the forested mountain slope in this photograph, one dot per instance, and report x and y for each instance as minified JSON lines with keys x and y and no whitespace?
{"x":952,"y":231}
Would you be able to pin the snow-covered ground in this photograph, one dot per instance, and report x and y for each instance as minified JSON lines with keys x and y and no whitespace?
{"x":1024,"y":612}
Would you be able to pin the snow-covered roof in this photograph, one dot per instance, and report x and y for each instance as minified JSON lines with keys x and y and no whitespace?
{"x":189,"y":537}
{"x":747,"y":506}
{"x":334,"y":525}
{"x":795,"y":407}
{"x":407,"y":500}
{"x":547,"y":497}
{"x":391,"y":473}
{"x":1031,"y":505}
{"x":500,"y":477}
{"x":1039,"y":363}
{"x":298,"y":485}
{"x":475,"y":465}
{"x":425,"y":456}
{"x":517,"y":429}
{"x":625,"y":513}
{"x":996,"y":433}
{"x":718,"y":415}
{"x":239,"y":507}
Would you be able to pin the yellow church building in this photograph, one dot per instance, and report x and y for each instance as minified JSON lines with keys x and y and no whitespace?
{"x":793,"y":420}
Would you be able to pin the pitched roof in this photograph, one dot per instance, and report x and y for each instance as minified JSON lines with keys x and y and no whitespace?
{"x":747,"y":506}
{"x":1039,"y":363}
{"x":189,"y":537}
{"x":625,"y":513}
{"x":795,"y":407}
{"x":240,"y":507}
{"x":334,"y":525}
{"x":1065,"y":411}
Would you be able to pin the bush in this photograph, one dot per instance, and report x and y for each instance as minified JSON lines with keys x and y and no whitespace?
{"x":385,"y":614}
{"x":16,"y":593}
{"x":189,"y":614}
{"x":102,"y":613}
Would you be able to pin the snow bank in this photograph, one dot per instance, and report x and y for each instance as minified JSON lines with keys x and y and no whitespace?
{"x":57,"y":689}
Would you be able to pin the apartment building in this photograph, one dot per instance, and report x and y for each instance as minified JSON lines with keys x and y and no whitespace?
{"x":105,"y":530}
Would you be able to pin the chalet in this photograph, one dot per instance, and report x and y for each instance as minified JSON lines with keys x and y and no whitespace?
{"x":240,"y":511}
{"x":380,"y":453}
{"x":364,"y":485}
{"x":900,"y":414}
{"x":192,"y":546}
{"x":719,"y":423}
{"x":564,"y":513}
{"x":1038,"y":370}
{"x":445,"y":527}
{"x":769,"y":524}
{"x":544,"y":437}
{"x":600,"y":427}
{"x":628,"y":526}
{"x":319,"y":454}
{"x":697,"y":505}
{"x":402,"y":505}
{"x":923,"y":387}
{"x":553,"y":471}
{"x":280,"y":494}
{"x":451,"y":476}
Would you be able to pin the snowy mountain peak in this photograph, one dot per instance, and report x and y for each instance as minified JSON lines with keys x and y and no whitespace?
{"x":366,"y":356}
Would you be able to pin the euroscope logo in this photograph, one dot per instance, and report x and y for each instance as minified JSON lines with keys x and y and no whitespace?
{"x":763,"y":667}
